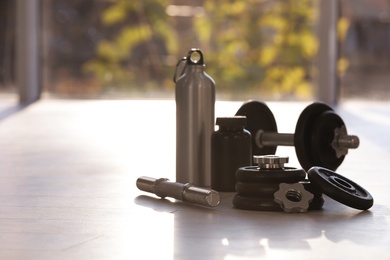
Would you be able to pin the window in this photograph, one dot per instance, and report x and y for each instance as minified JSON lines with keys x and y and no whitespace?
{"x":364,"y":58}
{"x":253,"y":49}
{"x":126,"y":49}
{"x":7,"y":50}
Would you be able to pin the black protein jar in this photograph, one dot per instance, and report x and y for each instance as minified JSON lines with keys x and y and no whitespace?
{"x":230,"y":149}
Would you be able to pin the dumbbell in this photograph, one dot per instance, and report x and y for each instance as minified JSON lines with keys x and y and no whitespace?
{"x":320,"y":137}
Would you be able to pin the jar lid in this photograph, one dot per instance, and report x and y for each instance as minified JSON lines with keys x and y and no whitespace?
{"x":231,"y":121}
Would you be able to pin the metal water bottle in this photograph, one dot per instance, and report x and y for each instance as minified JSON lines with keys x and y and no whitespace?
{"x":195,"y":101}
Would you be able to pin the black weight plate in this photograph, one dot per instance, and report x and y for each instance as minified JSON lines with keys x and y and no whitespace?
{"x":252,"y":203}
{"x":264,"y":190}
{"x":258,"y":117}
{"x":303,"y":133}
{"x":321,"y":140}
{"x":253,"y":174}
{"x":311,"y":188}
{"x":318,"y":201}
{"x":267,"y":190}
{"x":340,"y":188}
{"x":268,"y":204}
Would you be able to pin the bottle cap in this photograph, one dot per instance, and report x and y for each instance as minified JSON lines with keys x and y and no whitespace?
{"x":231,"y":121}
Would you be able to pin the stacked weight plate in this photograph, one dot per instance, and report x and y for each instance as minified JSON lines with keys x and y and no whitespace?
{"x":256,"y":185}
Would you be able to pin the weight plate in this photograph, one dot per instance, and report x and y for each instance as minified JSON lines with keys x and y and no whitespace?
{"x":259,"y":117}
{"x":253,"y":174}
{"x":318,"y":201}
{"x":268,"y":189}
{"x":311,"y":188}
{"x":340,"y":188}
{"x":252,"y":203}
{"x":265,"y":190}
{"x":268,"y":204}
{"x":321,"y":140}
{"x":303,"y":133}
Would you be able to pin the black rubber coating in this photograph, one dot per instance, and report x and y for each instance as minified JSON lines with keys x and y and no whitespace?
{"x":311,"y":188}
{"x":303,"y":134}
{"x":340,"y":188}
{"x":267,"y":190}
{"x":318,"y":201}
{"x":253,"y":203}
{"x":321,"y":140}
{"x":259,"y":117}
{"x":268,"y":204}
{"x":264,"y":190}
{"x":253,"y":174}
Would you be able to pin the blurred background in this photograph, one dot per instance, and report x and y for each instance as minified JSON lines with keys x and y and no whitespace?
{"x":254,"y":49}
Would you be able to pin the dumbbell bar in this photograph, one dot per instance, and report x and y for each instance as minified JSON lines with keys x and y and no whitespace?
{"x":185,"y":192}
{"x":341,"y":141}
{"x":320,"y":137}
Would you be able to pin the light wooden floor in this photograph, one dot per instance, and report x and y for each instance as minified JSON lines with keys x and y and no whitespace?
{"x":67,"y":189}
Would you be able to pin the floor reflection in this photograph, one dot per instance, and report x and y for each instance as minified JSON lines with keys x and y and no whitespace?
{"x":227,"y":233}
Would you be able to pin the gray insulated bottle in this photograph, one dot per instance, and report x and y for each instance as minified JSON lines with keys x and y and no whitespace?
{"x":195,"y":101}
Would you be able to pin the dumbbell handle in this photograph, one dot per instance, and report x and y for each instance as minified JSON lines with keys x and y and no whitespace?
{"x":185,"y":192}
{"x":274,"y":139}
{"x":278,"y":139}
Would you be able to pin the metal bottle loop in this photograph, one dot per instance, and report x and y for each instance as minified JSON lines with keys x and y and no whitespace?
{"x":175,"y":78}
{"x":197,"y":62}
{"x":187,"y":61}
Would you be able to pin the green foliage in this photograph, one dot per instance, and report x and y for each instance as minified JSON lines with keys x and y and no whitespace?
{"x":267,"y":46}
{"x":250,"y":46}
{"x":138,"y":27}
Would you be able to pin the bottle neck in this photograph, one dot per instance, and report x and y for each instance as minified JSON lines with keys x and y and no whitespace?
{"x":195,"y":67}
